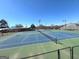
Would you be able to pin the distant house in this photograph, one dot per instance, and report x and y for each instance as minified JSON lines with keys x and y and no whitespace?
{"x":70,"y":26}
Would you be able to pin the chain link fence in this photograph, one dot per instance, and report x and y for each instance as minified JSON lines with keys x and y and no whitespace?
{"x":64,"y":53}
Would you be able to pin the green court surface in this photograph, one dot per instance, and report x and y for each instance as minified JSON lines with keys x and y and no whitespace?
{"x":33,"y":49}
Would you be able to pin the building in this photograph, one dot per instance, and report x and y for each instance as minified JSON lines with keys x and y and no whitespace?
{"x":70,"y":26}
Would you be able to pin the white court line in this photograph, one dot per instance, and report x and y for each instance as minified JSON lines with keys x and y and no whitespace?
{"x":16,"y":55}
{"x":2,"y":39}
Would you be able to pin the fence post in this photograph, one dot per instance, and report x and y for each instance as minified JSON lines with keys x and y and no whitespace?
{"x":56,"y":40}
{"x":71,"y":53}
{"x":58,"y":54}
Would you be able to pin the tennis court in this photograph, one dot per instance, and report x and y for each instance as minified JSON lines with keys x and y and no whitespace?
{"x":24,"y":39}
{"x":31,"y":43}
{"x":35,"y":37}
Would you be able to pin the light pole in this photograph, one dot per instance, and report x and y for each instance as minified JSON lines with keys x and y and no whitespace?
{"x":65,"y":22}
{"x":39,"y":21}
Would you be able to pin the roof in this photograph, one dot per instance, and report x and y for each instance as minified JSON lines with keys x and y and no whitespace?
{"x":71,"y":26}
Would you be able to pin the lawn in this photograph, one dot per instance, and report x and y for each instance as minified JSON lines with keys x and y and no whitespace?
{"x":33,"y":49}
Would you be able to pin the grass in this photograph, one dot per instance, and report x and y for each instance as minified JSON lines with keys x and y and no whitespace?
{"x":29,"y":50}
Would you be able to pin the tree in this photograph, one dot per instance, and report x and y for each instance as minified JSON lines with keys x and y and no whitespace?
{"x":19,"y":26}
{"x":3,"y":24}
{"x":33,"y":27}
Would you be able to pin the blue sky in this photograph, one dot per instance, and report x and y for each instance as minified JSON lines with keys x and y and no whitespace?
{"x":30,"y":11}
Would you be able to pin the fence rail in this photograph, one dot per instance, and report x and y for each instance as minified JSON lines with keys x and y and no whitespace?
{"x":71,"y":51}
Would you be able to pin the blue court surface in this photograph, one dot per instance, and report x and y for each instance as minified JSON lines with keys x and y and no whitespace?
{"x":33,"y":37}
{"x":61,"y":35}
{"x":24,"y":38}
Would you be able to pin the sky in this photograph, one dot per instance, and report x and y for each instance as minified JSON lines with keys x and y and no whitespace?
{"x":28,"y":12}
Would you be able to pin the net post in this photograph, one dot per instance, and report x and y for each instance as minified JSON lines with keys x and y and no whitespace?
{"x":56,"y":41}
